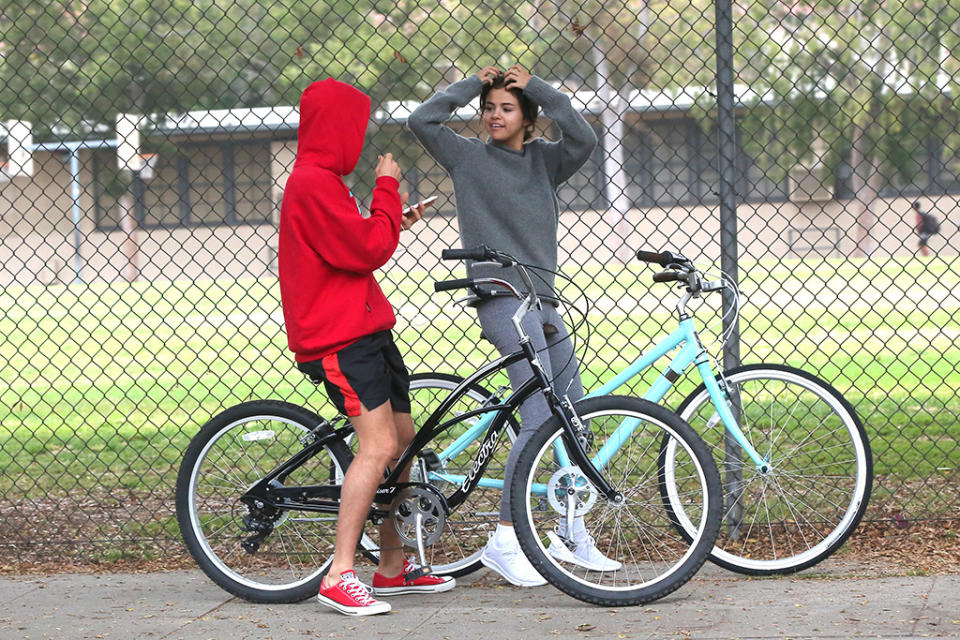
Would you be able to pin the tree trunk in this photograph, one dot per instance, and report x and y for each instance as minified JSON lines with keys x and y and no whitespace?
{"x":128,"y":219}
{"x":131,"y":245}
{"x":614,"y":172}
{"x":866,"y":182}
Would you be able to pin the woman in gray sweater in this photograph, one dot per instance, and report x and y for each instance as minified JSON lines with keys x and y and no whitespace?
{"x":506,"y":199}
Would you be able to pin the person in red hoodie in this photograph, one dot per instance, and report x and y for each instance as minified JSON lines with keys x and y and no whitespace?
{"x":339,"y":324}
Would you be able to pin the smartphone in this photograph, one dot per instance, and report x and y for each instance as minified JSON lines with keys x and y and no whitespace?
{"x":424,"y":202}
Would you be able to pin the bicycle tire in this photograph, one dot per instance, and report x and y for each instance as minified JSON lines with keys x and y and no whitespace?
{"x":457,"y":552}
{"x":638,"y":534}
{"x":822,"y":470}
{"x":232,"y":451}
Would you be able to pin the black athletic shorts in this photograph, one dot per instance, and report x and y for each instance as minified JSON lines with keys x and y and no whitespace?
{"x":367,"y":372}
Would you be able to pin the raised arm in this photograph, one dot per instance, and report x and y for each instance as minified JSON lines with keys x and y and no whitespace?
{"x":577,"y":139}
{"x":427,"y":121}
{"x":347,"y":240}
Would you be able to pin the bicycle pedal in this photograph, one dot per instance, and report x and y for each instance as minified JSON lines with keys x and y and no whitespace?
{"x":417,"y":573}
{"x":431,"y":460}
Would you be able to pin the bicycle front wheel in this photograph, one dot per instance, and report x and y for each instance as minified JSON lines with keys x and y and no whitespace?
{"x":820,"y":469}
{"x":644,"y":557}
{"x":457,"y":552}
{"x":231,"y":452}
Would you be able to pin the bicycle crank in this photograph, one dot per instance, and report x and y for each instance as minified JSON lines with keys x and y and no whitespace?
{"x":419,"y":514}
{"x":571,"y":494}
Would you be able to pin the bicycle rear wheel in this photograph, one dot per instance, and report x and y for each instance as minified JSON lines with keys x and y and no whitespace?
{"x":638,"y":534}
{"x":821,"y":469}
{"x":457,"y":552}
{"x":231,"y":452}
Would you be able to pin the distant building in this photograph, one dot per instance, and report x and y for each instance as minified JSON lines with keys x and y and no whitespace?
{"x":212,"y":206}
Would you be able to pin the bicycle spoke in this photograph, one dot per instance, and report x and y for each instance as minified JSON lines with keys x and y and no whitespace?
{"x":283,"y":562}
{"x":637,"y":533}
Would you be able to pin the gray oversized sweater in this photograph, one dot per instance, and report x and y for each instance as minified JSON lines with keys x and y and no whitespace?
{"x":506,"y":199}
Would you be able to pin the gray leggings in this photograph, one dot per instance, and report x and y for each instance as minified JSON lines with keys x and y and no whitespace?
{"x":556,"y":354}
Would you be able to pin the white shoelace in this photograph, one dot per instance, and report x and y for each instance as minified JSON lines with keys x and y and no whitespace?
{"x":357,"y":590}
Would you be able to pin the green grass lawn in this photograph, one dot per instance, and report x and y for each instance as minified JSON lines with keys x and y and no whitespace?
{"x":103,"y":385}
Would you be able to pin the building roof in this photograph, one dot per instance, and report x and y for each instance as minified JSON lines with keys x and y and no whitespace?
{"x":287,"y":118}
{"x":230,"y":120}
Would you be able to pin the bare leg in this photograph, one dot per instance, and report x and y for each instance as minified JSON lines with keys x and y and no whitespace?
{"x":377,"y":438}
{"x":391,"y":549}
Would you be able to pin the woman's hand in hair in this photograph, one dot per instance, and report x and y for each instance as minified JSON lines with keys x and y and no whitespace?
{"x":516,"y":77}
{"x":488,"y":74}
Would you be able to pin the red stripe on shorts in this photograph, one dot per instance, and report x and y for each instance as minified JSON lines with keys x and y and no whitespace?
{"x":331,"y":367}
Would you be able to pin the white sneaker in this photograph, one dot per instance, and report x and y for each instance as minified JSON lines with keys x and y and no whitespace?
{"x":503,"y":555}
{"x":585,"y":553}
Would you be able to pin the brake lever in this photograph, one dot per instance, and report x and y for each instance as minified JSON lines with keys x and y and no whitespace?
{"x":713,"y":285}
{"x":495,"y":263}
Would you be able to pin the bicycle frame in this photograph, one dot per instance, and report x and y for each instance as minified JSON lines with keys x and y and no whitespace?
{"x":691,"y":353}
{"x":270,"y":491}
{"x":491,"y":425}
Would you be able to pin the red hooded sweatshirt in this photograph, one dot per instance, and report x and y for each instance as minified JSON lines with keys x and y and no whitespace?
{"x":327,"y":250}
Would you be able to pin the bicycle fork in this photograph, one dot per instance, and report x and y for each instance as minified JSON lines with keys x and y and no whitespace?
{"x":575,"y":433}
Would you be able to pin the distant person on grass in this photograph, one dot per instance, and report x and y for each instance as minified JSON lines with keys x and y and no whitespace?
{"x":338,"y":324}
{"x":927,"y":226}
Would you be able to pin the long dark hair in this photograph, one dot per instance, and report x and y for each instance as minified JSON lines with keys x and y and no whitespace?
{"x":528,"y":107}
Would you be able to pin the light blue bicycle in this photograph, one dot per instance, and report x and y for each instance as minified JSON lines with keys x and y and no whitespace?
{"x":795,"y":459}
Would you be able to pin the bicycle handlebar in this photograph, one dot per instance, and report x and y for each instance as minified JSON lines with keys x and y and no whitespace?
{"x":650,"y":256}
{"x":664,"y":258}
{"x":681,"y":269}
{"x":449,"y":285}
{"x":486,"y":254}
{"x":478,"y":254}
{"x":667,"y":276}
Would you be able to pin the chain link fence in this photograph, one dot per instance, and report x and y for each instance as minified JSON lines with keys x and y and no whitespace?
{"x":147,"y":146}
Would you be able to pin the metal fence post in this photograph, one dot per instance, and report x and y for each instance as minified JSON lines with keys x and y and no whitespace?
{"x":726,"y":158}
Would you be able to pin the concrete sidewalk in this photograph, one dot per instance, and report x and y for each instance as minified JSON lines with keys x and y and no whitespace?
{"x":716,"y":604}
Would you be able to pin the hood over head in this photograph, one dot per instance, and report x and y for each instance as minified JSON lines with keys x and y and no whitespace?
{"x":333,"y":123}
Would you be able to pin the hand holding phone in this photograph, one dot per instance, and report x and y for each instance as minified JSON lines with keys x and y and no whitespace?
{"x":422,"y":203}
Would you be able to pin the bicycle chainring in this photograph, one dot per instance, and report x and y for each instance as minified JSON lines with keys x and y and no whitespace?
{"x":569,"y":486}
{"x":413,"y":503}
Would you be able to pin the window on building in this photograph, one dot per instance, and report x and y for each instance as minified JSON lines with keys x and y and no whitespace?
{"x":704,"y":161}
{"x":106,"y":209}
{"x":253,"y":183}
{"x":158,"y":202}
{"x":636,"y":160}
{"x":671,"y":175}
{"x":584,"y":189}
{"x":218,"y":183}
{"x":756,"y":181}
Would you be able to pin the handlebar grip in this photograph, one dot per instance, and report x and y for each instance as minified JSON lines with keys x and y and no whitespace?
{"x":449,"y":285}
{"x":661,"y":259}
{"x":478,"y":253}
{"x":667,"y":276}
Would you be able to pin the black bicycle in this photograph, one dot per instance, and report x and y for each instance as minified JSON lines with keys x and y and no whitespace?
{"x":258,"y":489}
